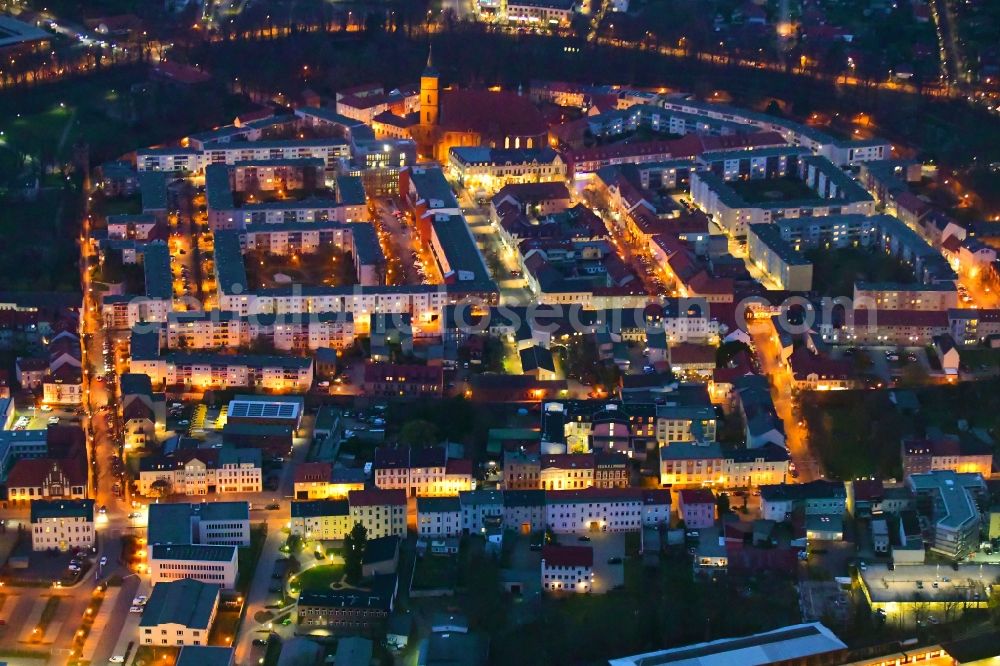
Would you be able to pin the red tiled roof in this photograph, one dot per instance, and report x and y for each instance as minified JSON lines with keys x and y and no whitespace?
{"x":313,"y":471}
{"x":492,"y":114}
{"x":884,"y":317}
{"x":804,"y":363}
{"x":568,"y":556}
{"x":459,"y":466}
{"x":686,"y":352}
{"x":376,"y":497}
{"x":32,"y":472}
{"x":697,"y":496}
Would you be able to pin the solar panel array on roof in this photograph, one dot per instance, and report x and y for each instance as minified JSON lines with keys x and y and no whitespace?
{"x":257,"y":410}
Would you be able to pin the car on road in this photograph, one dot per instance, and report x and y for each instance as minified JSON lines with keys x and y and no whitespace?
{"x":614,"y":560}
{"x":104,"y":560}
{"x":259,"y":642}
{"x":117,"y":659}
{"x":135,"y":609}
{"x":584,"y":538}
{"x":140,"y":600}
{"x":273,"y":506}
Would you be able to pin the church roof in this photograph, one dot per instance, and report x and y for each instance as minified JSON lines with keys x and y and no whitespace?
{"x":493,"y":114}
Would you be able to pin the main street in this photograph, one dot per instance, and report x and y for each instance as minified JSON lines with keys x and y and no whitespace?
{"x":780,"y":378}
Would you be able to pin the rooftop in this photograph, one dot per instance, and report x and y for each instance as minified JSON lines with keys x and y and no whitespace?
{"x":194,"y":553}
{"x":787,"y":644}
{"x":186,"y":602}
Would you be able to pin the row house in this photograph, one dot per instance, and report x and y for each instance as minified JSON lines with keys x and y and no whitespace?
{"x":382,"y":512}
{"x":321,"y":480}
{"x":605,"y":510}
{"x":481,"y":509}
{"x":421,"y":472}
{"x":965,"y":453}
{"x":439,"y":516}
{"x":911,"y":328}
{"x":201,"y":472}
{"x":815,"y":498}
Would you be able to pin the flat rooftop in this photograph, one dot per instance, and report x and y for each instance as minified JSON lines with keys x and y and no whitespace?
{"x":929,"y":582}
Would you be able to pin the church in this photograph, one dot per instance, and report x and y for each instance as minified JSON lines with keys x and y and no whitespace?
{"x":450,"y":118}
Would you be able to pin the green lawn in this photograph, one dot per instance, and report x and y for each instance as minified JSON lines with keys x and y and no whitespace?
{"x":320,"y":577}
{"x":248,"y":557}
{"x":764,"y":190}
{"x":434,"y":572}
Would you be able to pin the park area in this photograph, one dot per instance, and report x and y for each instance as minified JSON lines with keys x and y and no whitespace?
{"x":770,"y":190}
{"x":320,"y":577}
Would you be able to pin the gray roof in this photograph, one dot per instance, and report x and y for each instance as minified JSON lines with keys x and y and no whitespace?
{"x":82,"y":508}
{"x":438,"y":505}
{"x":169,"y":523}
{"x":233,"y":511}
{"x":351,"y":191}
{"x":204,"y":655}
{"x":186,"y":602}
{"x":431,"y":186}
{"x":153,"y":189}
{"x":194,"y":552}
{"x":791,"y":643}
{"x":156,"y":270}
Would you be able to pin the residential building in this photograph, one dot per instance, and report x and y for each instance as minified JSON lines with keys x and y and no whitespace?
{"x":964,"y":453}
{"x":382,"y":512}
{"x":62,"y":524}
{"x":521,"y":470}
{"x":696,"y":507}
{"x":421,"y":472}
{"x":179,"y":612}
{"x":566,"y":471}
{"x":691,"y":464}
{"x":481,"y":509}
{"x":936,"y":297}
{"x":439,"y":516}
{"x":604,"y":510}
{"x":395,"y":380}
{"x":777,"y":502}
{"x":201,"y":472}
{"x":567,"y":568}
{"x":752,"y":468}
{"x":611,"y":470}
{"x":323,"y":519}
{"x":319,"y":480}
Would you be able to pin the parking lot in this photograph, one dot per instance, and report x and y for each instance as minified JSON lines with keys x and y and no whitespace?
{"x":609,"y":554}
{"x":885,"y":362}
